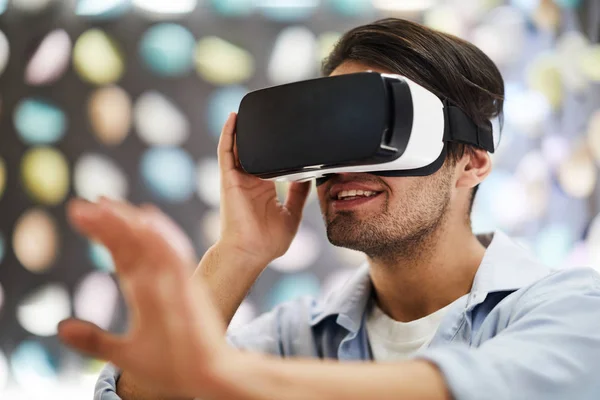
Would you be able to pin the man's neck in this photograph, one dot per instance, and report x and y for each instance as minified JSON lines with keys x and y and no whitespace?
{"x":441,"y":270}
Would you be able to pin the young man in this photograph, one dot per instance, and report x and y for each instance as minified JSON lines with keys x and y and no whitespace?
{"x":443,"y":314}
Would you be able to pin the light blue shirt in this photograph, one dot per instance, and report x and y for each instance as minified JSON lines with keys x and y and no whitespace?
{"x":523,"y":332}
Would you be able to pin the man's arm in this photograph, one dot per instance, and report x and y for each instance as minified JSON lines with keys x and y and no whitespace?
{"x":550,"y":349}
{"x":269,"y":378}
{"x":229,"y":275}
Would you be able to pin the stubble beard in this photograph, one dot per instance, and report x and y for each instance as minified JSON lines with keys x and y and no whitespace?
{"x":405,"y":232}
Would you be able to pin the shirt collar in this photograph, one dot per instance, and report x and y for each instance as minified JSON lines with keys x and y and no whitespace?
{"x":506,"y":266}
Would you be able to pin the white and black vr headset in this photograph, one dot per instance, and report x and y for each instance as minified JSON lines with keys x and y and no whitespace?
{"x":382,"y":124}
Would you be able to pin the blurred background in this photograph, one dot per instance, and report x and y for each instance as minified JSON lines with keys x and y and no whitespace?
{"x":126,"y":98}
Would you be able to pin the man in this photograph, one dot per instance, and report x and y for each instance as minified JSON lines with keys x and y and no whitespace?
{"x":442,"y":315}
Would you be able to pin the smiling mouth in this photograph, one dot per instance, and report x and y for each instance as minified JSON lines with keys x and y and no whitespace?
{"x":348,"y":195}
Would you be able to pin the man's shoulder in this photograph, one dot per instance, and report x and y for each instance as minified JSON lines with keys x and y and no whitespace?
{"x":567,"y":280}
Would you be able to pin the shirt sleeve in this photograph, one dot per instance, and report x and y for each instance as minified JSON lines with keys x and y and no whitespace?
{"x":549,"y":349}
{"x":263,"y":335}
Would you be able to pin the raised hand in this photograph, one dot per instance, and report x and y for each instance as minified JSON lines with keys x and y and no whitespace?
{"x":175,"y":341}
{"x":253,"y":221}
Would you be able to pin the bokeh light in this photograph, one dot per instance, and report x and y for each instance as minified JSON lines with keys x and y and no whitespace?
{"x":223,"y":63}
{"x":220,"y":103}
{"x":95,"y":299}
{"x":35,"y":240}
{"x":533,"y":172}
{"x":287,"y":10}
{"x":548,"y":16}
{"x":2,"y":177}
{"x":32,"y":366}
{"x":2,"y":246}
{"x":501,"y":35}
{"x":589,"y":62}
{"x":578,"y":257}
{"x":167,"y":49}
{"x":158,"y":121}
{"x":568,"y":3}
{"x":570,"y":47}
{"x":50,"y":60}
{"x":3,"y":4}
{"x":544,"y":76}
{"x":555,"y":149}
{"x":553,"y":245}
{"x":501,"y":202}
{"x":210,"y":228}
{"x":39,"y":121}
{"x":593,"y":136}
{"x":166,"y":9}
{"x":577,"y":174}
{"x":208,"y":182}
{"x":45,"y":175}
{"x":97,"y":58}
{"x":593,"y":242}
{"x":4,"y":52}
{"x":96,"y":175}
{"x":109,"y":110}
{"x":528,"y":6}
{"x":233,"y":8}
{"x":335,"y":282}
{"x":245,"y":313}
{"x":446,"y":18}
{"x":290,"y":287}
{"x":303,"y":252}
{"x":349,"y":257}
{"x":325,"y":44}
{"x":526,"y":111}
{"x":101,"y":257}
{"x":293,"y":56}
{"x":351,"y":8}
{"x":40,"y":311}
{"x":102,"y":9}
{"x":169,"y":173}
{"x":476,"y":10}
{"x":283,"y":188}
{"x":3,"y":371}
{"x":31,"y":6}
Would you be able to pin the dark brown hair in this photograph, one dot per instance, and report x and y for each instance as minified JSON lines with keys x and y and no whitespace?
{"x":444,"y":64}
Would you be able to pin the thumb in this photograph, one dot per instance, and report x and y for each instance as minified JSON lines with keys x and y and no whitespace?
{"x":296,"y":198}
{"x":89,"y":339}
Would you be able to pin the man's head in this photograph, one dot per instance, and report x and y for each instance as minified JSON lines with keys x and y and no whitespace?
{"x":407,"y":210}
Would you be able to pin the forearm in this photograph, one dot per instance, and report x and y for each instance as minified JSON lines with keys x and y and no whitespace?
{"x":259,"y":377}
{"x":228,"y":276}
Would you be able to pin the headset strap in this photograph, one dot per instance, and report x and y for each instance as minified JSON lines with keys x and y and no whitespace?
{"x":459,"y":127}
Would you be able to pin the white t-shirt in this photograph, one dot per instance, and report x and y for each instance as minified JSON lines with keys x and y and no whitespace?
{"x":394,"y":341}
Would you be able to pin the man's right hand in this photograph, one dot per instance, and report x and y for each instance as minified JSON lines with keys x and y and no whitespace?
{"x":255,"y":229}
{"x":253,"y":221}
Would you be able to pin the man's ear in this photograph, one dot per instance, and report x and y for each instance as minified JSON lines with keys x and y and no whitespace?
{"x":473,"y":168}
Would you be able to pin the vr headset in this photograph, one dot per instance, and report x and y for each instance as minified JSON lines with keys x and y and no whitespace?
{"x":365,"y":122}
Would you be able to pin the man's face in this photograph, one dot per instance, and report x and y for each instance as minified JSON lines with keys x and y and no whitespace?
{"x":386,"y":216}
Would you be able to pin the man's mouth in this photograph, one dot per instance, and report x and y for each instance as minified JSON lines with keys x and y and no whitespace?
{"x":348,"y":195}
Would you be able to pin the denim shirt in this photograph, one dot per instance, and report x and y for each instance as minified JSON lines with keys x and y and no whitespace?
{"x":523,"y":331}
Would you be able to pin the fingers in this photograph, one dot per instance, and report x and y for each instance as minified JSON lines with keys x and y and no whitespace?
{"x":89,"y":339}
{"x":296,"y":198}
{"x":97,"y":222}
{"x":103,"y":223}
{"x":226,"y":144}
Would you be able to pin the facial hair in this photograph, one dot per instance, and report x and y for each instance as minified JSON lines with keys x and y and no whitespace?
{"x":405,"y":226}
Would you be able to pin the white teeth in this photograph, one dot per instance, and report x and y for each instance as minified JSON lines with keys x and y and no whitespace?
{"x":350,"y":194}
